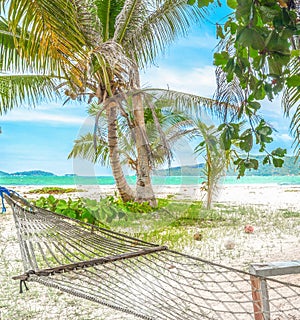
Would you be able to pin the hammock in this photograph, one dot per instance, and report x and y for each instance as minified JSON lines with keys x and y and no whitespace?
{"x":133,"y":276}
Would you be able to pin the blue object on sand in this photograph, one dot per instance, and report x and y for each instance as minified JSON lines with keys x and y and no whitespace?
{"x":2,"y":191}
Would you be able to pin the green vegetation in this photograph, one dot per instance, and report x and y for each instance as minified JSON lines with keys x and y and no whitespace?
{"x":102,"y":212}
{"x":55,"y":190}
{"x":75,"y":209}
{"x":257,"y":58}
{"x":290,"y":214}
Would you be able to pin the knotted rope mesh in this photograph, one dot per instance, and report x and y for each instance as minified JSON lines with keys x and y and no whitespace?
{"x":136,"y":277}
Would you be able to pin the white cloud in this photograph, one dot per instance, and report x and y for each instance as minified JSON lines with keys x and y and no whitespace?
{"x":273,"y":107}
{"x":284,"y":137}
{"x":206,"y":41}
{"x":199,"y":81}
{"x":39,"y":116}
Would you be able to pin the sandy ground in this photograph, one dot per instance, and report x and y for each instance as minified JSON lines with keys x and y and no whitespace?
{"x":271,"y":195}
{"x":274,"y":242}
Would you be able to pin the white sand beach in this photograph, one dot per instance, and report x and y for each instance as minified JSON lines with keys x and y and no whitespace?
{"x":273,"y":196}
{"x":278,"y":240}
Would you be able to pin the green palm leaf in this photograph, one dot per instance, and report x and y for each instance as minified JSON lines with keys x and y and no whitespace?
{"x":84,"y":147}
{"x":146,"y":28}
{"x":17,"y":90}
{"x":291,"y":105}
{"x":48,"y":31}
{"x":193,"y":103}
{"x":107,"y":12}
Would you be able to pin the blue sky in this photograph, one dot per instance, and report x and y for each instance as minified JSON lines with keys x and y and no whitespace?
{"x":42,"y":138}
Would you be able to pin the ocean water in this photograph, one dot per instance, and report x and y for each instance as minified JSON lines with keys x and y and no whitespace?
{"x":157,"y":180}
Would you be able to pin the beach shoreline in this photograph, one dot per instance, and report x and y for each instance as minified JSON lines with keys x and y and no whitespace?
{"x":272,"y":195}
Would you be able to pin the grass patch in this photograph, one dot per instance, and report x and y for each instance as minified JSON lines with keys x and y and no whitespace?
{"x":291,"y":214}
{"x":55,"y":190}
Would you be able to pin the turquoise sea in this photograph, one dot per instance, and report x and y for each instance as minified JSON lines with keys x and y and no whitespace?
{"x":157,"y":180}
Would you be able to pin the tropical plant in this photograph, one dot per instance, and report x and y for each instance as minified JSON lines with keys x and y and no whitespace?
{"x":258,"y":58}
{"x":217,"y":159}
{"x":165,"y":123}
{"x":94,"y":49}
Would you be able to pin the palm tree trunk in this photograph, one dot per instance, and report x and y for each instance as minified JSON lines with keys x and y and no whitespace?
{"x":209,"y":179}
{"x":126,"y":193}
{"x":144,"y":189}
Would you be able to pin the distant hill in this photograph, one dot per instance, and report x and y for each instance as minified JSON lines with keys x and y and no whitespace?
{"x":289,"y":168}
{"x":33,"y":173}
{"x":194,"y":170}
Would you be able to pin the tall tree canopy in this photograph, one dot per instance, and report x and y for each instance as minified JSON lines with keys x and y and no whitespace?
{"x":258,"y":58}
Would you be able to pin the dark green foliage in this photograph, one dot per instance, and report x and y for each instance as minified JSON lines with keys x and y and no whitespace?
{"x":259,"y":53}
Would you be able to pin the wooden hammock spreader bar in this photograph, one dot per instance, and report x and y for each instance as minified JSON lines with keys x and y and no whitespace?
{"x":88,"y":263}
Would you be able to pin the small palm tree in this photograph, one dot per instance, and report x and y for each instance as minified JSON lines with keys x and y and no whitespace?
{"x":173,"y":125}
{"x":217,"y":159}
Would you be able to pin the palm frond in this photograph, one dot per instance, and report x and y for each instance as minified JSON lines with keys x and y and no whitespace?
{"x":229,"y":93}
{"x":46,"y":30}
{"x":9,"y":54}
{"x":17,"y":90}
{"x":133,"y":11}
{"x":148,"y":34}
{"x":88,"y":22}
{"x":291,"y":105}
{"x":192,"y":104}
{"x":84,"y":148}
{"x":107,"y":11}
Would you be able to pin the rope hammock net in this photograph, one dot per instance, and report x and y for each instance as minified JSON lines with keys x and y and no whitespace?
{"x":146,"y":280}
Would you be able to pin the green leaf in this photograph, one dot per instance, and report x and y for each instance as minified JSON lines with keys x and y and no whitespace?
{"x":204,"y":3}
{"x":70,"y":213}
{"x":251,"y":164}
{"x":220,"y":33}
{"x":246,"y":142}
{"x":254,"y":105}
{"x":293,"y":81}
{"x":266,"y":160}
{"x":249,"y":37}
{"x":279,"y":152}
{"x":229,"y":133}
{"x":220,"y":59}
{"x":277,"y":162}
{"x":232,"y":4}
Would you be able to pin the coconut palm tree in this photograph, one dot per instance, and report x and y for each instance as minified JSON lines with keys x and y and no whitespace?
{"x":174,"y":126}
{"x":94,"y":50}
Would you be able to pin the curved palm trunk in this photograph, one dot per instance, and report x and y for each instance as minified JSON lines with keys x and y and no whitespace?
{"x":144,"y":189}
{"x":126,"y":193}
{"x":209,"y":180}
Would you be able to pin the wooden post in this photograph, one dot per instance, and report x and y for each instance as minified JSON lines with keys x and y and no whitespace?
{"x":260,"y":298}
{"x":259,"y":287}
